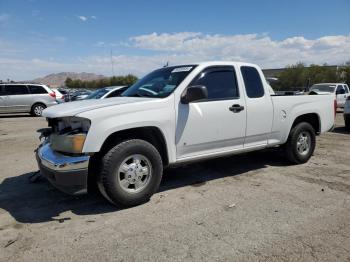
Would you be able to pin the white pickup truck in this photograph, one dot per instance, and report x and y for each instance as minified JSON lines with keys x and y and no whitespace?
{"x":340,"y":91}
{"x":171,"y":116}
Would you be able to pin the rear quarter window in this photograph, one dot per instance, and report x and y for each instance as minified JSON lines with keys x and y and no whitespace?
{"x":37,"y":90}
{"x":252,"y":82}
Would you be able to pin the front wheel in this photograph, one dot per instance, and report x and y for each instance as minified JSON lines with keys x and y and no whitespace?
{"x":131,"y":173}
{"x":301,"y":143}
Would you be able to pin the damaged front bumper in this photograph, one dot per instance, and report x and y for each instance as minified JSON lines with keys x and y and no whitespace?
{"x":67,"y":173}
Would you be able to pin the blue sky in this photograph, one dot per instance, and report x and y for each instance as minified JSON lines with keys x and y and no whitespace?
{"x":39,"y":37}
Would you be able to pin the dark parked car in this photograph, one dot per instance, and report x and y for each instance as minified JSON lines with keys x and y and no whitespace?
{"x":107,"y":92}
{"x":80,"y":95}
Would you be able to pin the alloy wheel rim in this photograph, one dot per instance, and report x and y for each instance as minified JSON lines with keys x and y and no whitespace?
{"x":38,"y":110}
{"x":304,"y":143}
{"x":134,"y":173}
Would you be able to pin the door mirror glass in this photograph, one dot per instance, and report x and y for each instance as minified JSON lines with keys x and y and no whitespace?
{"x":194,"y":93}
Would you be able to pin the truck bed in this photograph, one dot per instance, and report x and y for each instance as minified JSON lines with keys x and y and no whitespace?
{"x":289,"y":107}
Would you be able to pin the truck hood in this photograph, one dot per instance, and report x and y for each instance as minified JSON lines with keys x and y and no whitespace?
{"x":77,"y":107}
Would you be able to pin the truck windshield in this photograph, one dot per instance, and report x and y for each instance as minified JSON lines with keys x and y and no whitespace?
{"x":323,"y":88}
{"x":159,"y":83}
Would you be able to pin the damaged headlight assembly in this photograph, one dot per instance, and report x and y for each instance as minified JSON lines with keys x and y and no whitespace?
{"x":68,"y":143}
{"x":67,"y":134}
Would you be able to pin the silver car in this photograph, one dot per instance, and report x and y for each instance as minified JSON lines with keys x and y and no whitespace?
{"x":25,"y":98}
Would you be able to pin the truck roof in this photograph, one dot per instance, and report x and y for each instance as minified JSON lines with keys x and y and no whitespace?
{"x":209,"y":63}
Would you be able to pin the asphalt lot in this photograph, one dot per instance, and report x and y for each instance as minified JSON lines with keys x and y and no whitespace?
{"x":242,"y":208}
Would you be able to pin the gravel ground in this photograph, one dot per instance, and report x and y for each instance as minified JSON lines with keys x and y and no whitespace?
{"x":243,"y":208}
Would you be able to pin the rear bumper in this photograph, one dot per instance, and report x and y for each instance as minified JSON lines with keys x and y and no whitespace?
{"x":68,"y":174}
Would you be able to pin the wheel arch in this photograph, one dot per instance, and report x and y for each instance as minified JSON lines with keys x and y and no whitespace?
{"x":312,"y":118}
{"x":151,"y":134}
{"x":37,"y":103}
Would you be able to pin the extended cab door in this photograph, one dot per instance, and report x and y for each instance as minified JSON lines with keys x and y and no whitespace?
{"x":217,"y":124}
{"x":259,"y":107}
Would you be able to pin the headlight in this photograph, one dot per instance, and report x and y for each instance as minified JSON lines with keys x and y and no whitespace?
{"x":68,"y":134}
{"x":68,"y":143}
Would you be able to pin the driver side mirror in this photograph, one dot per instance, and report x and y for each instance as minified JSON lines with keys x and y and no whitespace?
{"x":194,"y":93}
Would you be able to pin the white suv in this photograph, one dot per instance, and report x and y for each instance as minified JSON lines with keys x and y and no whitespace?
{"x":25,"y":98}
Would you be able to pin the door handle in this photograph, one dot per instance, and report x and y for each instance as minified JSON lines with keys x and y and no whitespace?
{"x":236,"y":108}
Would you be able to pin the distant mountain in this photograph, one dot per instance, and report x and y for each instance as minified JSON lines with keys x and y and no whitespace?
{"x":56,"y":80}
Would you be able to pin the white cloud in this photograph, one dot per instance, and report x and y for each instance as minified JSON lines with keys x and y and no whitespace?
{"x":164,"y":42}
{"x":82,"y":18}
{"x":27,"y":69}
{"x":185,"y":47}
{"x":86,"y":18}
{"x":260,"y":49}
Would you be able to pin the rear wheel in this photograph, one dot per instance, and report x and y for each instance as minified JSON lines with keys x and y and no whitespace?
{"x":301,"y":143}
{"x":131,"y":173}
{"x":37,"y":109}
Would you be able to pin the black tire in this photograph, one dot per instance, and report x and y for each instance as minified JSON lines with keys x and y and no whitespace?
{"x":291,"y":147}
{"x":108,"y":180}
{"x":37,"y":109}
{"x":347,"y":123}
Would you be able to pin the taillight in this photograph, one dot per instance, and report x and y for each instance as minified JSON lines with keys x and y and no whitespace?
{"x":53,"y":94}
{"x":335,"y":107}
